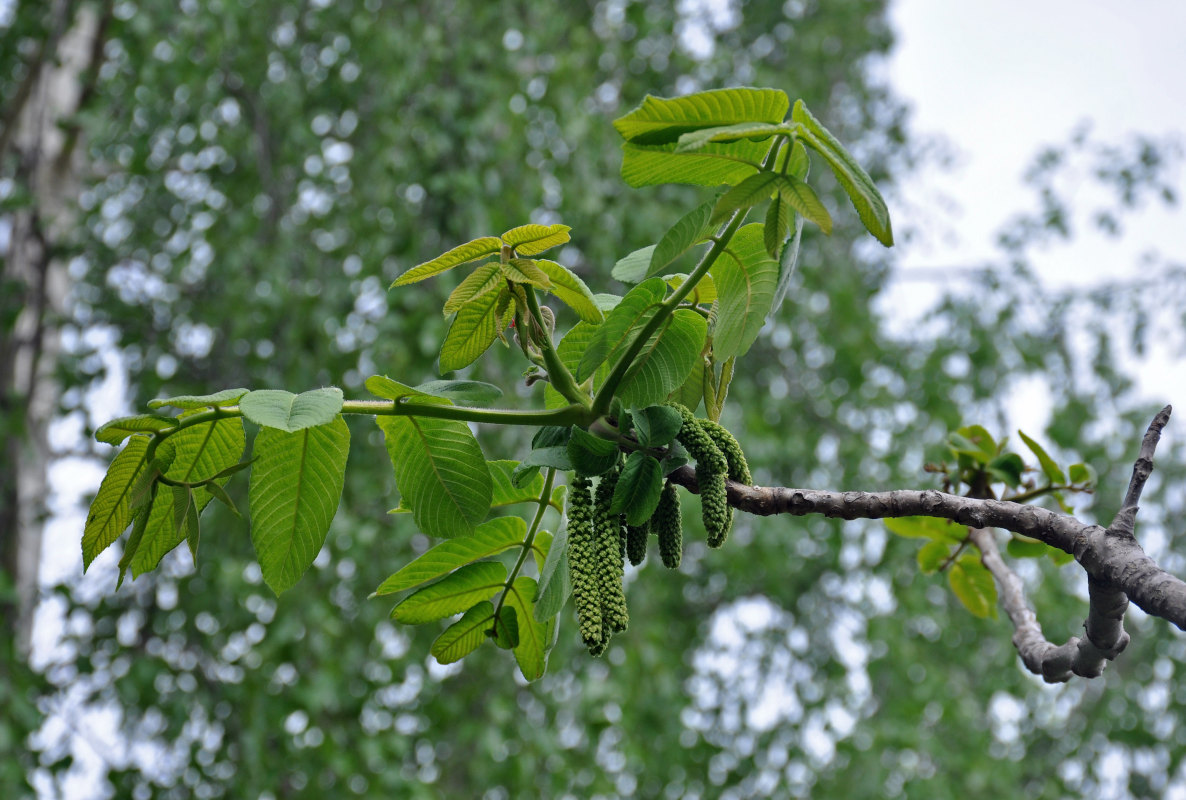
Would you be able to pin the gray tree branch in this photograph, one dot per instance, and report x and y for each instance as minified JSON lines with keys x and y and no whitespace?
{"x":1117,"y":567}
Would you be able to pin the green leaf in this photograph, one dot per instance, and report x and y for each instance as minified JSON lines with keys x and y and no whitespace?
{"x":469,"y":392}
{"x":974,"y":586}
{"x":589,"y":454}
{"x":474,"y":329}
{"x":680,"y":237}
{"x":638,"y":489}
{"x":786,"y":264}
{"x":753,"y":131}
{"x":481,"y":281}
{"x":941,"y":530}
{"x":221,"y":496}
{"x":276,"y":408}
{"x":705,"y":290}
{"x":531,"y":240}
{"x":504,"y":629}
{"x":490,"y":538}
{"x":746,"y":279}
{"x":462,"y":588}
{"x":661,"y":120}
{"x":852,"y":177}
{"x":1061,"y":557}
{"x":462,"y":254}
{"x":506,"y":492}
{"x":117,"y":430}
{"x":227,"y":397}
{"x":1050,"y":467}
{"x":656,"y":426}
{"x":634,"y":267}
{"x":1007,"y":468}
{"x":801,"y":197}
{"x":139,"y":527}
{"x":440,"y":470}
{"x":618,"y":331}
{"x":465,"y":635}
{"x":975,"y":441}
{"x":748,"y":193}
{"x":531,"y":651}
{"x":194,"y":454}
{"x":571,"y":291}
{"x":691,"y":391}
{"x":665,"y":361}
{"x":524,"y":270}
{"x":555,"y":582}
{"x":1083,"y":475}
{"x":932,"y":556}
{"x":111,"y":510}
{"x":1025,"y":547}
{"x":296,"y":484}
{"x":778,"y":225}
{"x":572,"y":347}
{"x":183,"y":500}
{"x":382,"y":386}
{"x":554,"y":456}
{"x":712,"y":165}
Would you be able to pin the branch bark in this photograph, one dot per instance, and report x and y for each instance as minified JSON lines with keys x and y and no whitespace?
{"x":1117,"y":567}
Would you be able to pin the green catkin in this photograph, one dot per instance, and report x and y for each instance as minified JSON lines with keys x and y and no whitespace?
{"x":636,"y":542}
{"x":608,"y":530}
{"x":738,"y":468}
{"x":583,"y":563}
{"x":711,"y":471}
{"x":667,"y":524}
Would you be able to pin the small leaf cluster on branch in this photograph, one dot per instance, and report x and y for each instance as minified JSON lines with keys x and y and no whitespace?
{"x":622,"y":386}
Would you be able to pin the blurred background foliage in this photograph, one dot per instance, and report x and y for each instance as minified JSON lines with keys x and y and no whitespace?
{"x":254,"y":174}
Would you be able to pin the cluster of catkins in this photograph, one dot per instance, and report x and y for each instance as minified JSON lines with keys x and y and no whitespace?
{"x":599,"y":541}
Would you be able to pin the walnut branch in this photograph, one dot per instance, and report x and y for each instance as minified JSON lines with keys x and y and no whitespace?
{"x":1112,"y":558}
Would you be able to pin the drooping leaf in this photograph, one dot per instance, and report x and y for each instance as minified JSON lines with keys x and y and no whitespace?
{"x":194,"y":454}
{"x":504,"y":628}
{"x":571,"y":290}
{"x":974,"y":586}
{"x":589,"y":454}
{"x":465,"y":635}
{"x":786,"y":264}
{"x":276,"y":408}
{"x":665,"y":361}
{"x":461,"y":589}
{"x":462,"y":254}
{"x":681,"y":237}
{"x":660,"y":120}
{"x":634,"y":267}
{"x":1050,"y":467}
{"x":753,"y":131}
{"x":857,"y":184}
{"x":111,"y":510}
{"x":555,"y":582}
{"x":475,"y":393}
{"x":531,"y":651}
{"x":746,"y":279}
{"x":227,"y":397}
{"x":619,"y":329}
{"x":490,"y":538}
{"x":571,"y":348}
{"x":932,"y":556}
{"x":778,"y":225}
{"x":638,"y":488}
{"x":525,"y":270}
{"x":296,"y":484}
{"x":531,"y":240}
{"x":800,"y":196}
{"x":482,"y":280}
{"x":657,"y":425}
{"x":691,"y":391}
{"x":751,"y":191}
{"x":440,"y":470}
{"x":473,"y":330}
{"x":117,"y":430}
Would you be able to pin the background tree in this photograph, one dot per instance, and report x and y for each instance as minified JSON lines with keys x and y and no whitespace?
{"x":219,"y":183}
